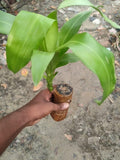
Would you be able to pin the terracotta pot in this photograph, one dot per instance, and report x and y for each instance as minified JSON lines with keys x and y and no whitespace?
{"x":62,"y":93}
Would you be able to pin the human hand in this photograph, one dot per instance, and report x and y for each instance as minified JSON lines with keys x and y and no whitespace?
{"x":40,"y":106}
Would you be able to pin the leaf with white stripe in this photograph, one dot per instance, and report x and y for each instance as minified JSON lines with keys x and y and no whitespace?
{"x":26,"y":35}
{"x":40,"y":61}
{"x":97,"y":58}
{"x":71,"y":27}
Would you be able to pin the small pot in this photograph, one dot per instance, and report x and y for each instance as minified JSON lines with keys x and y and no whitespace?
{"x":62,"y":93}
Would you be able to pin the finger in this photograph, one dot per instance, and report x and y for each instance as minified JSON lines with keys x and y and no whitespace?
{"x":46,"y":94}
{"x":61,"y":106}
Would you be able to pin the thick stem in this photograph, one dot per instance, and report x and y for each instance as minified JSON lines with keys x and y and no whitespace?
{"x":49,"y":84}
{"x":50,"y":76}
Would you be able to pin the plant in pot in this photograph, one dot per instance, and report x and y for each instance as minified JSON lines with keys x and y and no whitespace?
{"x":36,"y":38}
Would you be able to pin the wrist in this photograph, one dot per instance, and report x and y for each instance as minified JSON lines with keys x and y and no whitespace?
{"x":24,"y":115}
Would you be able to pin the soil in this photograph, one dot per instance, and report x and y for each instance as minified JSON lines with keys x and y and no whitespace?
{"x":90,"y":132}
{"x":64,"y":89}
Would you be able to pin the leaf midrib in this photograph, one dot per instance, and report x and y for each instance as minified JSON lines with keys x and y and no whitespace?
{"x":97,"y":56}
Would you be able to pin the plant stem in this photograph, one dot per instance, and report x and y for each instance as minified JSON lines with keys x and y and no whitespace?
{"x":49,"y":77}
{"x":50,"y":85}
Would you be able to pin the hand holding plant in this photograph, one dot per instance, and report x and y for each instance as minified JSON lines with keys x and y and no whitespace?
{"x":37,"y":38}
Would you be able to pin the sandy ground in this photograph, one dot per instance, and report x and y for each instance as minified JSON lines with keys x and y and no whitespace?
{"x":90,"y":132}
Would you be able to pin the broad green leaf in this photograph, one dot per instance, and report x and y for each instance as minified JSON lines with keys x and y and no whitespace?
{"x":67,"y":58}
{"x":113,"y":24}
{"x":97,"y":58}
{"x":57,"y":58}
{"x":53,"y":15}
{"x":6,"y":22}
{"x":27,"y":34}
{"x":40,"y":61}
{"x":67,"y":3}
{"x":51,"y":38}
{"x":71,"y":27}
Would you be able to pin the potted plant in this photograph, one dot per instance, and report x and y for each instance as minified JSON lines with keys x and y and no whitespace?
{"x":36,"y":38}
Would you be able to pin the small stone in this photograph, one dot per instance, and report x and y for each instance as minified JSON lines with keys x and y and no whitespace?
{"x":17,"y":141}
{"x":118,"y":74}
{"x":109,"y":49}
{"x":80,"y":130}
{"x":93,"y":140}
{"x":4,"y":42}
{"x":96,"y":21}
{"x":62,"y":11}
{"x":92,"y":19}
{"x":72,"y":9}
{"x":112,"y":31}
{"x":80,"y":105}
{"x":74,"y":155}
{"x":3,"y":37}
{"x":74,"y":117}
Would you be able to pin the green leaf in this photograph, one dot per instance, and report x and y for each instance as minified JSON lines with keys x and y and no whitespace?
{"x":53,"y":15}
{"x":6,"y":22}
{"x":51,"y":38}
{"x":57,"y":58}
{"x":67,"y":3}
{"x":27,"y":34}
{"x":113,"y":24}
{"x":71,"y":27}
{"x":40,"y":61}
{"x":67,"y":58}
{"x":97,"y":58}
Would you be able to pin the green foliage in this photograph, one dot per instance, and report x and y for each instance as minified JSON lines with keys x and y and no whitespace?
{"x":25,"y":37}
{"x":67,"y":58}
{"x":53,"y":15}
{"x":97,"y":58}
{"x":37,"y":38}
{"x":6,"y":21}
{"x":50,"y":41}
{"x":113,"y":24}
{"x":40,"y":61}
{"x":71,"y":27}
{"x":67,"y":3}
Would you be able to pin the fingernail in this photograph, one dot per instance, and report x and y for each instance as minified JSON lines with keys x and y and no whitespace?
{"x":65,"y":106}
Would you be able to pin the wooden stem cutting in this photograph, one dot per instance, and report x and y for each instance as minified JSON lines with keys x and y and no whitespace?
{"x":62,"y":93}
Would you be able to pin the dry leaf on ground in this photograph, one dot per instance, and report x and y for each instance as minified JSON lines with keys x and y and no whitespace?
{"x":24,"y":72}
{"x":68,"y":136}
{"x":53,"y":7}
{"x":67,"y":19}
{"x":117,"y":63}
{"x":35,"y":9}
{"x":36,"y":88}
{"x":4,"y":85}
{"x":4,"y":54}
{"x":103,"y":10}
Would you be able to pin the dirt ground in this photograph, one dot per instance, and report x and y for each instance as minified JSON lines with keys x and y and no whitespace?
{"x":90,"y":132}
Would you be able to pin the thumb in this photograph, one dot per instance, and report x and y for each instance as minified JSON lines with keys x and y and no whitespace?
{"x":61,"y":106}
